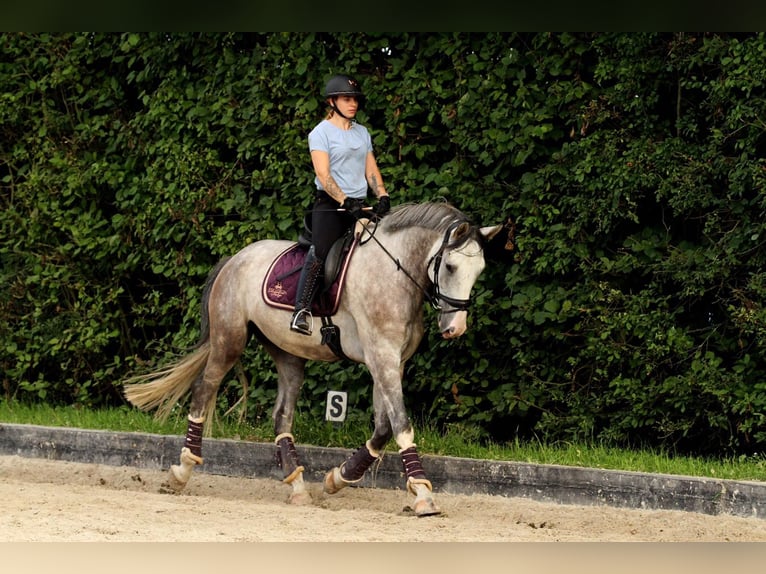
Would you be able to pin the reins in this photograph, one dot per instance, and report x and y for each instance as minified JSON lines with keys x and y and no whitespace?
{"x":434,"y":295}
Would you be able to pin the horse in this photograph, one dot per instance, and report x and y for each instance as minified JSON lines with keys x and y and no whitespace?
{"x":416,"y":252}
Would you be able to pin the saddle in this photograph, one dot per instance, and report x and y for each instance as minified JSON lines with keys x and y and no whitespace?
{"x":281,"y":283}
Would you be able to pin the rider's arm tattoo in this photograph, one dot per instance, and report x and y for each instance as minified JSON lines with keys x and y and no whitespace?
{"x":377,"y":187}
{"x":333,"y":189}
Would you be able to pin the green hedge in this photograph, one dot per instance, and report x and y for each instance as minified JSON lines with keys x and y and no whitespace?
{"x":631,"y":310}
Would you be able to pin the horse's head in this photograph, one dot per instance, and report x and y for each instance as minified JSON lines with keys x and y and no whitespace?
{"x":453,"y":267}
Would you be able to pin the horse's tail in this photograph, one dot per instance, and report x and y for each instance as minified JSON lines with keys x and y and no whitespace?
{"x":162,"y":389}
{"x":204,"y":312}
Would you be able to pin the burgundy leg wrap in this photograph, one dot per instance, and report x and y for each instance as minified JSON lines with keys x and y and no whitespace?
{"x":411,"y":463}
{"x":194,"y":438}
{"x":287,"y":456}
{"x":354,"y":468}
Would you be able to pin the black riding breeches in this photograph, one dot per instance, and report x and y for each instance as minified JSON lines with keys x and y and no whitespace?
{"x":328,"y":223}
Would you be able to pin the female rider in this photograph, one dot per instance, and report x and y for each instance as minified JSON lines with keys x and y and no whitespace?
{"x":345,"y":167}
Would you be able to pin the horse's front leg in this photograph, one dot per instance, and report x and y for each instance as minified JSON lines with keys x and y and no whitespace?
{"x":389,"y":402}
{"x":390,"y":420}
{"x":353,"y":469}
{"x":417,"y":483}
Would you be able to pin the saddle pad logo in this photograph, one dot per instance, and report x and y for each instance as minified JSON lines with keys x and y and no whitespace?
{"x":276,"y":291}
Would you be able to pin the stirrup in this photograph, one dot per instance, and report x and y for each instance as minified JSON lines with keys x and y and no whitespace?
{"x":305,"y":326}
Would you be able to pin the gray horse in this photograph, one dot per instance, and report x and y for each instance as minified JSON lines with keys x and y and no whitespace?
{"x":417,"y":252}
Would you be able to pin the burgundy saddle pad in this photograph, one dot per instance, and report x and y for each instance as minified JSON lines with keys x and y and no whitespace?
{"x":281,"y":283}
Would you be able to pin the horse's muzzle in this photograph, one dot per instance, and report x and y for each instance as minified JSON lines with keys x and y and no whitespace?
{"x":456,"y":327}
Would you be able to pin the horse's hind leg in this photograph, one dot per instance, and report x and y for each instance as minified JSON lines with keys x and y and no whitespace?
{"x":290,"y":373}
{"x":191,"y":456}
{"x":204,"y":391}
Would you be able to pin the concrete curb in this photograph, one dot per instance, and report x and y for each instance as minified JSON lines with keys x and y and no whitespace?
{"x":546,"y":483}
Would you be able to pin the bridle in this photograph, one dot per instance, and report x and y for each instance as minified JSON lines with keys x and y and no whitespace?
{"x":434,"y":294}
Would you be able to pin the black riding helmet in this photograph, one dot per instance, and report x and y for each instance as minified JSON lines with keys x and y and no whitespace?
{"x":342,"y":85}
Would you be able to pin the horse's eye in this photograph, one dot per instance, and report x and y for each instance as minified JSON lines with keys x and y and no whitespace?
{"x":450,"y":268}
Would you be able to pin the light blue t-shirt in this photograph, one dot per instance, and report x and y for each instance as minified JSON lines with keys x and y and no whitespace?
{"x":348,"y":151}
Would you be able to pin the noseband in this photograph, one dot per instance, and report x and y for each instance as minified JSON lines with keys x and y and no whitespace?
{"x":436,"y":295}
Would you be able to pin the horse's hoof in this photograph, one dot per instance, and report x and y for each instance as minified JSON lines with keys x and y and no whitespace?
{"x":300,"y":499}
{"x":333,"y":483}
{"x":176,"y":479}
{"x":426,"y":508}
{"x":172,"y":485}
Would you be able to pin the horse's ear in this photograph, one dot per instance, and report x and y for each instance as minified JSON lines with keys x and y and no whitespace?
{"x":497,"y":246}
{"x":460,"y":231}
{"x":490,"y":232}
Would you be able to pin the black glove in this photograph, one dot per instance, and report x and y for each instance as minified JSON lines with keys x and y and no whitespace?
{"x":383,"y":206}
{"x":354,"y":207}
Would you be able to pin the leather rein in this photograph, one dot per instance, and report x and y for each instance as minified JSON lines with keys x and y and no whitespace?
{"x":434,"y":294}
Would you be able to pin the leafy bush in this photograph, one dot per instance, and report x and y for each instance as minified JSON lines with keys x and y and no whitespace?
{"x":631,"y":309}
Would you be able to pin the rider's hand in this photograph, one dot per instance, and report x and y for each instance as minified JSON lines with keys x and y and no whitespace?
{"x":383,"y":206}
{"x":354,"y":207}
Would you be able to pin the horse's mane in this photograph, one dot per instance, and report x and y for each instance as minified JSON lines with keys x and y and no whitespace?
{"x":434,"y":215}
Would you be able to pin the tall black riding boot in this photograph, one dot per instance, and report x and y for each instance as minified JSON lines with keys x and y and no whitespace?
{"x":308,"y":285}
